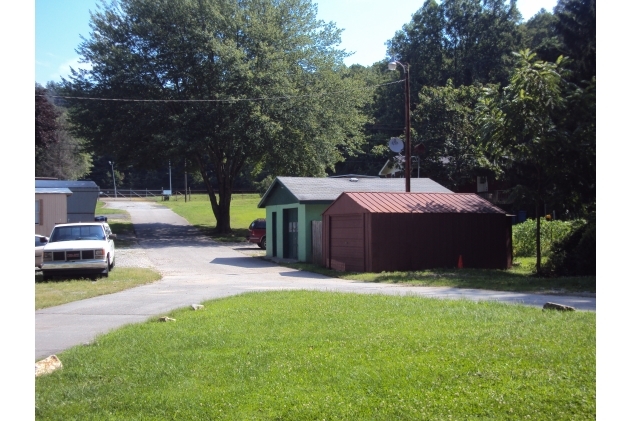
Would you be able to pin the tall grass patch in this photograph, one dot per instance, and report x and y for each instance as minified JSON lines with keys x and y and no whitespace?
{"x":315,"y":355}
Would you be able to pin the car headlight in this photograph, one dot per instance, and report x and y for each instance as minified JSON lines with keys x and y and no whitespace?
{"x":99,"y":254}
{"x":48,"y":256}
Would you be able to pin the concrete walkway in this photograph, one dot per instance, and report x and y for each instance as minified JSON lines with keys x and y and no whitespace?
{"x":197,"y":269}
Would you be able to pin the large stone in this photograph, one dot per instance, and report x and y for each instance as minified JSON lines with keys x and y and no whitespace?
{"x":47,"y":365}
{"x":197,"y":306}
{"x":166,"y":319}
{"x":559,"y":307}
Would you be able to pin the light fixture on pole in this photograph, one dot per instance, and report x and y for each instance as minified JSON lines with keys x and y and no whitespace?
{"x":406,"y":72}
{"x":113,"y":178}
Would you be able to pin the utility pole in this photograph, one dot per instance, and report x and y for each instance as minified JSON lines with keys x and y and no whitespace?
{"x":408,"y":146}
{"x":113,"y":178}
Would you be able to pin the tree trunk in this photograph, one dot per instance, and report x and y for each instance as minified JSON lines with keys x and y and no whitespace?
{"x":223,"y":215}
{"x":221,"y":208}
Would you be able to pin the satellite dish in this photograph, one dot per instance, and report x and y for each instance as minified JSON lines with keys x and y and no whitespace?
{"x":396,"y":144}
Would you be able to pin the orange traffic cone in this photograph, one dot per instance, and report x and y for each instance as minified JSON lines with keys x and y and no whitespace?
{"x":460,"y":266}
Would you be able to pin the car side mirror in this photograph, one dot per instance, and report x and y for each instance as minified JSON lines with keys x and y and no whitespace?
{"x":43,"y":240}
{"x":113,"y":236}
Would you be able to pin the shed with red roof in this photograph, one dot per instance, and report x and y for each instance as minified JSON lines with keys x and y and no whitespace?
{"x":375,"y":232}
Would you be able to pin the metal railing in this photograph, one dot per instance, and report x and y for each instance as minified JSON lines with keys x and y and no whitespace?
{"x":129,"y":193}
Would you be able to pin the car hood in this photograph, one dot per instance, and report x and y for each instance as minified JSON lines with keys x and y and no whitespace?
{"x":76,"y":245}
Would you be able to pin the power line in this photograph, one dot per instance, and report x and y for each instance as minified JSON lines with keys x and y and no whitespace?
{"x":212,"y":100}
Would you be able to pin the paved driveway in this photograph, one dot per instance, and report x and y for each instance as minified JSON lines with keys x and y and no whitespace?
{"x":196,"y":269}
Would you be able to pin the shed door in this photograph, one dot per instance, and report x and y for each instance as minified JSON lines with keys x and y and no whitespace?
{"x":274,"y":248}
{"x":290,"y":233}
{"x":347,"y":243}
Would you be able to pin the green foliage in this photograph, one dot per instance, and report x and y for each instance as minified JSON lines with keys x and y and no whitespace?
{"x":575,"y":254}
{"x":467,"y":41}
{"x":236,"y":85}
{"x":518,"y":128}
{"x":264,"y":184}
{"x":525,"y":235}
{"x":58,"y":154}
{"x":540,"y":36}
{"x":304,"y":355}
{"x":576,"y":26}
{"x":444,"y":120}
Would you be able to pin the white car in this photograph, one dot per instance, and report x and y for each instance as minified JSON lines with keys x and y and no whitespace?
{"x":40,"y":242}
{"x":79,"y":249}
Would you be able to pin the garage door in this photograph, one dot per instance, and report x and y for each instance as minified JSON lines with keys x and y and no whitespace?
{"x":347,"y":243}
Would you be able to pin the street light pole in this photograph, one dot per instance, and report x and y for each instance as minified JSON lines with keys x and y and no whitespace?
{"x":406,"y":72}
{"x":113,"y":178}
{"x":170,"y":187}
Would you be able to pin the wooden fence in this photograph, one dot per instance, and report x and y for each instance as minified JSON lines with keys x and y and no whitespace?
{"x":316,"y":243}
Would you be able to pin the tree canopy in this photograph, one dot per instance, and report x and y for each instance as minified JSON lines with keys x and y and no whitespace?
{"x":224,"y":84}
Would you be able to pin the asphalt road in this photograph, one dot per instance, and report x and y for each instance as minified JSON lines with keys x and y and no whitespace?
{"x":197,"y":269}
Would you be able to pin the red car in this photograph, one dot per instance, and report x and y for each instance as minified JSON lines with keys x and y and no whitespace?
{"x":257,"y":233}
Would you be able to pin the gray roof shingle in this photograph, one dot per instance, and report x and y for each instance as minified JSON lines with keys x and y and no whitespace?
{"x":312,"y":189}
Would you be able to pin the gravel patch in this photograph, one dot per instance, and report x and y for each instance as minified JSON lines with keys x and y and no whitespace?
{"x":132,"y":257}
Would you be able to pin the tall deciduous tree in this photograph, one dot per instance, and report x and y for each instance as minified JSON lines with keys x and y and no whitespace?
{"x":233,"y":84}
{"x":576,"y":25}
{"x":445,"y":123}
{"x":540,"y":36}
{"x":45,"y":119}
{"x":58,"y":154}
{"x":519,"y":129}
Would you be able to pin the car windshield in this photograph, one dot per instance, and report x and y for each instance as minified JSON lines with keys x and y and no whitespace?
{"x":88,"y":232}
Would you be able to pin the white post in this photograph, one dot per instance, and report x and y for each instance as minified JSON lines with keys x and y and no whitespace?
{"x":170,"y":187}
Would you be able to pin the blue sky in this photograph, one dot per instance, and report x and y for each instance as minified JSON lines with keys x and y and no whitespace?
{"x":367,"y":25}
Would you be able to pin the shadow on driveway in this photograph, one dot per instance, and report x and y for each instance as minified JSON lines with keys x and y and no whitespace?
{"x":243,"y":262}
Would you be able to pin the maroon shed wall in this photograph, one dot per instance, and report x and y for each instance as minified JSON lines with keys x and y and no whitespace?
{"x":426,"y":241}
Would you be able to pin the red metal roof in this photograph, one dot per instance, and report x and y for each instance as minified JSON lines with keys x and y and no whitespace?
{"x":423,"y":202}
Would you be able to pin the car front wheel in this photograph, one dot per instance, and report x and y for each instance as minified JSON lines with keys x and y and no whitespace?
{"x":263,"y":243}
{"x":106,"y":272}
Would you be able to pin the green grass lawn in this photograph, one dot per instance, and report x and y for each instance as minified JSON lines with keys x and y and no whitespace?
{"x":198,"y":212}
{"x":519,"y":278}
{"x":57,"y":292}
{"x":314,"y":355}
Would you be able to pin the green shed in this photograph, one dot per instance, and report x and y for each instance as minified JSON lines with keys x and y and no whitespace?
{"x":294,"y":208}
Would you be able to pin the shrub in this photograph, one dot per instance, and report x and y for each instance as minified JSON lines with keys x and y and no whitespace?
{"x":525,"y":240}
{"x":575,"y":254}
